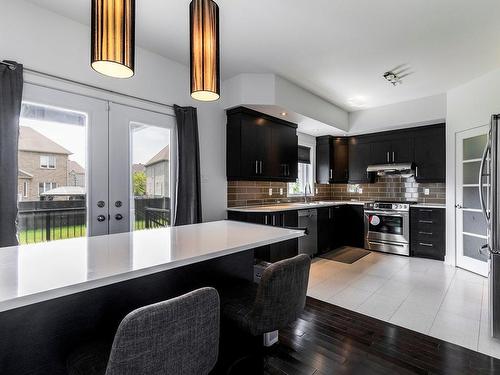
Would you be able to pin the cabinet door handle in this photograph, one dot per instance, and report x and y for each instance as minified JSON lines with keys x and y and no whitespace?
{"x":393,"y":158}
{"x":260,"y":166}
{"x":426,"y":221}
{"x":426,"y":210}
{"x":331,"y":174}
{"x":426,"y":244}
{"x":274,"y":220}
{"x":416,"y":171}
{"x":426,"y":233}
{"x":287,"y":170}
{"x":265,"y":219}
{"x":346,"y":174}
{"x":388,"y":157}
{"x":256,"y":167}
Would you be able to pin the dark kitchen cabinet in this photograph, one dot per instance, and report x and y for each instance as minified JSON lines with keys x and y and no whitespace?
{"x":427,"y":232}
{"x":332,"y":160}
{"x":260,"y":147}
{"x":430,"y":154}
{"x":330,"y":228}
{"x":278,"y":251}
{"x":359,"y":159}
{"x":354,"y":227}
{"x":391,"y":148}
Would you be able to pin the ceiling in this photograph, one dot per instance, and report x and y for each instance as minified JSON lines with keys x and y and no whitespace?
{"x":337,"y":49}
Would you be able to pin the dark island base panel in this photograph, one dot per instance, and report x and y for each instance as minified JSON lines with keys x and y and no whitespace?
{"x":327,"y":339}
{"x":36,"y":339}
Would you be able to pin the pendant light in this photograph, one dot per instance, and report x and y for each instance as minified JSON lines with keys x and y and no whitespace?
{"x":205,"y":68}
{"x":113,"y":37}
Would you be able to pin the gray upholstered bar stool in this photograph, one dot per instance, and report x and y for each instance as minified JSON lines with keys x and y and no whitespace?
{"x":274,"y":303}
{"x":177,"y":336}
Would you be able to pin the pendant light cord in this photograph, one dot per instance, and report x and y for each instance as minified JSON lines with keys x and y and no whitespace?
{"x":37,"y":72}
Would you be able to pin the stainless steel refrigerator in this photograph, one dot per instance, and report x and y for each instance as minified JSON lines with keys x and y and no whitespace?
{"x":489,"y":182}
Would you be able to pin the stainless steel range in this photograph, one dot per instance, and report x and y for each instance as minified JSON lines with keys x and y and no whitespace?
{"x":387,"y":227}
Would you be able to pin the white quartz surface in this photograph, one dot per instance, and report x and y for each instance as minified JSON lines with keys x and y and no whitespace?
{"x":293,"y":206}
{"x":39,"y":272}
{"x":429,"y":205}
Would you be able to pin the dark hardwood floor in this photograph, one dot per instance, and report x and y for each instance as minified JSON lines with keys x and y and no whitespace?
{"x":328,"y":339}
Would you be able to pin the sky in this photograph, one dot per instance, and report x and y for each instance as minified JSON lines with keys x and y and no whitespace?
{"x":146,"y":141}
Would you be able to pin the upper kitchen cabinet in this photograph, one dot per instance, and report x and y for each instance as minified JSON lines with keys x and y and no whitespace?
{"x":260,"y":147}
{"x":359,"y":159}
{"x":394,"y":147}
{"x":332,"y":160}
{"x":430,"y":153}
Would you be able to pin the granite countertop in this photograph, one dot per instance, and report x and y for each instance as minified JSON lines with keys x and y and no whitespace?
{"x":48,"y":270}
{"x":292,"y":206}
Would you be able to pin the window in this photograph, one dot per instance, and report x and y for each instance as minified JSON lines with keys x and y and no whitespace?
{"x":305,"y":174}
{"x":26,"y":188}
{"x":48,"y":161}
{"x":46,"y":186}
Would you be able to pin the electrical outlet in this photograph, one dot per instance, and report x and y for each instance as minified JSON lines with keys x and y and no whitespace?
{"x":281,"y":191}
{"x":427,"y":191}
{"x":317,"y":190}
{"x":360,"y":190}
{"x":270,"y":192}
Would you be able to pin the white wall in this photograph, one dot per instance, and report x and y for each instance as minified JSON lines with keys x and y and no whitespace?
{"x":424,"y":111}
{"x":45,"y":41}
{"x":468,"y":106}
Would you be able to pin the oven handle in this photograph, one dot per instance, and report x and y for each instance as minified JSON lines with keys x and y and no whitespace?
{"x":386,"y":243}
{"x":384,"y":213}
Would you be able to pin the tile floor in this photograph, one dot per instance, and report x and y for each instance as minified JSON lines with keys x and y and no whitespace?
{"x":423,"y":295}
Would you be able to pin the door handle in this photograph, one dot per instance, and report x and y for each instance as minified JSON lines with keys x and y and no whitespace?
{"x":101,"y":218}
{"x":118,"y":216}
{"x":487,"y":150}
{"x":482,"y":249}
{"x":459,"y":206}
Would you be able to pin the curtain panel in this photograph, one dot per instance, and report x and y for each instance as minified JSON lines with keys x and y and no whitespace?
{"x":188,"y":197}
{"x":11,"y":92}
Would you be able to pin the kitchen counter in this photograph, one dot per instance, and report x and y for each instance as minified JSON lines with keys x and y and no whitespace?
{"x":44,"y":271}
{"x":292,"y":206}
{"x":429,"y":205}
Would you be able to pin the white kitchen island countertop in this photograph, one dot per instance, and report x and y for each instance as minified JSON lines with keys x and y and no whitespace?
{"x":39,"y":272}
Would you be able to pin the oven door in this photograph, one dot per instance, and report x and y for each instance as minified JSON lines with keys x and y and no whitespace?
{"x":387,"y":226}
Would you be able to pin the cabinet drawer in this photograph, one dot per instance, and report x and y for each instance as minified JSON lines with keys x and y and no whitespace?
{"x":428,"y":249}
{"x":429,"y":215}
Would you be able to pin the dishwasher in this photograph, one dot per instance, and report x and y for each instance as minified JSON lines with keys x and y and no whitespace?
{"x":308,"y":244}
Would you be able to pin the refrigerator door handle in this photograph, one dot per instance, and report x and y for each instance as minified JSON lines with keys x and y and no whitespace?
{"x":487,"y":149}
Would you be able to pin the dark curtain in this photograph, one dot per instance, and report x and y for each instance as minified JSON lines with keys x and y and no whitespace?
{"x":188,"y":206}
{"x":11,"y":92}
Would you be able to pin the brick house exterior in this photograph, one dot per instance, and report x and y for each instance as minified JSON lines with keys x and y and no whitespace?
{"x":42,"y":163}
{"x":157,"y":174}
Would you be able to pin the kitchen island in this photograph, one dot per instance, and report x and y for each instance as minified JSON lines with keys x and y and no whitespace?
{"x":57,"y":295}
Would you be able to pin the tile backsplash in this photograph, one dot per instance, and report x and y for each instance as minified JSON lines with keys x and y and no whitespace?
{"x":394,"y":188}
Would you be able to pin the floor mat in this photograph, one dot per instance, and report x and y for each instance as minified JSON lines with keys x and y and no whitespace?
{"x":345,"y":254}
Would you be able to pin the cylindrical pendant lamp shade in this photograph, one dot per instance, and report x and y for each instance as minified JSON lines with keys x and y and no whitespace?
{"x":205,"y":69}
{"x":113,"y":37}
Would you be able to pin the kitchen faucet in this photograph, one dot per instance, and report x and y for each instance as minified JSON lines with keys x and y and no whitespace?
{"x":306,"y":188}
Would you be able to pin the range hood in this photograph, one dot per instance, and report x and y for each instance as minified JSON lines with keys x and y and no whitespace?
{"x":404,"y":169}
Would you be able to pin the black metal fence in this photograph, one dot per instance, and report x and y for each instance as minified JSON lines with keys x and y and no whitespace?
{"x":40,"y":221}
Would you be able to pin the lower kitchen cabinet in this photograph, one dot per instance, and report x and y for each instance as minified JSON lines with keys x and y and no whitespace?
{"x":427,"y":232}
{"x":330,"y":228}
{"x":275,"y":252}
{"x":354,"y":225}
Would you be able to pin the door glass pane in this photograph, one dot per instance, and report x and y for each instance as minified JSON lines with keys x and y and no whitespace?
{"x":150,"y":173}
{"x":472,"y":245}
{"x":474,"y":147}
{"x":471,"y":172}
{"x":52,"y":174}
{"x":474,"y":222}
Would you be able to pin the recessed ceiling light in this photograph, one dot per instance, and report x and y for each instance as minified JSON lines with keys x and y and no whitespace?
{"x":283,"y":113}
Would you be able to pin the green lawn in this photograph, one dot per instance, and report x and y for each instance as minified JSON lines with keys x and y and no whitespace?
{"x":38,"y":235}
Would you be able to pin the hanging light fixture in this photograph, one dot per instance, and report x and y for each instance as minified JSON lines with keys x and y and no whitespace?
{"x":113,"y":37}
{"x":205,"y":66}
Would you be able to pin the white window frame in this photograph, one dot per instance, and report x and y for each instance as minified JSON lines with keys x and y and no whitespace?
{"x":48,"y":164}
{"x":46,"y":186}
{"x":26,"y":186}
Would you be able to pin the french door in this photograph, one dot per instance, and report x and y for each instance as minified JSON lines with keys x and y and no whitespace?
{"x":89,"y":166}
{"x":471,"y":226}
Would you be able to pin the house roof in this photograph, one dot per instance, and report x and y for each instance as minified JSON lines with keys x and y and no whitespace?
{"x":31,"y":140}
{"x":138,"y":168}
{"x":24,"y":174}
{"x":163,"y":155}
{"x":73,"y":166}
